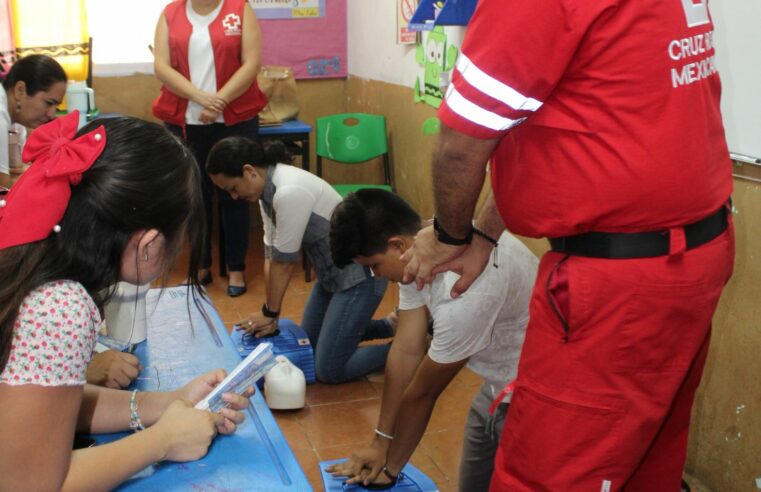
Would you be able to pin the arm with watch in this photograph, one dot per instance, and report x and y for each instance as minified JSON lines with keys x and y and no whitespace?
{"x":277,"y":276}
{"x":459,"y":170}
{"x":467,"y":256}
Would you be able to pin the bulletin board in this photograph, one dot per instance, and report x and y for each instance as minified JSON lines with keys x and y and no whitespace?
{"x":314,"y":47}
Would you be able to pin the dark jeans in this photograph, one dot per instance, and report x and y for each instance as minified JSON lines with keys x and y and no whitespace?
{"x":235,"y":215}
{"x":337,"y":322}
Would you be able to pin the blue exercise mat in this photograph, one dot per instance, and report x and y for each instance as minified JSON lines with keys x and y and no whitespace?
{"x":410,"y":480}
{"x":257,"y":456}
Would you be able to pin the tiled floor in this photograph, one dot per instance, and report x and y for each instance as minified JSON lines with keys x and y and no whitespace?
{"x":338,"y":419}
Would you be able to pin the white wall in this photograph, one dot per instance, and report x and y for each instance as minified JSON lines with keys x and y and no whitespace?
{"x":373,"y":51}
{"x":738,"y":44}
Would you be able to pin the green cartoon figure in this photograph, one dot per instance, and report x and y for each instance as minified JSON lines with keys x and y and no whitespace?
{"x":430,"y":54}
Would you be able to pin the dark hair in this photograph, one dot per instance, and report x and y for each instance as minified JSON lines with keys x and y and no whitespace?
{"x":38,"y":72}
{"x":364,"y":221}
{"x":228,"y":156}
{"x":144,"y":179}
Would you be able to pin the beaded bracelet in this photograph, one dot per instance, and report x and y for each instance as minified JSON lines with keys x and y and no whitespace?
{"x":488,"y":239}
{"x":134,"y":419}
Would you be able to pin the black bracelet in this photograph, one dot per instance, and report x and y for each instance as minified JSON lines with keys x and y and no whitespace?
{"x":389,"y":475}
{"x":491,"y":240}
{"x":443,"y":237}
{"x":269,"y":313}
{"x":479,"y":232}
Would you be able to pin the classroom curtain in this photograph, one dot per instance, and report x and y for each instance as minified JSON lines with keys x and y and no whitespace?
{"x":61,"y":33}
{"x":7,"y":46}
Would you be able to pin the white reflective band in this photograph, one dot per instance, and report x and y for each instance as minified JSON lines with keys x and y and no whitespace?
{"x":493,"y":87}
{"x":477,"y":114}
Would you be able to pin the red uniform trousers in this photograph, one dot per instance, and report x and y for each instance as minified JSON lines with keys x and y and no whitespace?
{"x":614,"y":352}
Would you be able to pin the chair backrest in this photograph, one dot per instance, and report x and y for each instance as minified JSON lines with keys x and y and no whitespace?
{"x":351,"y":137}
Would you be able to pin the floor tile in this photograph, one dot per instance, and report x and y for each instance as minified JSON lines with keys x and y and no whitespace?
{"x":451,"y":409}
{"x":319,"y":394}
{"x":444,"y":448}
{"x":340,"y":423}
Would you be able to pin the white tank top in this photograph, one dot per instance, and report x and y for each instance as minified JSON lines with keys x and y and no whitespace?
{"x":203,"y":74}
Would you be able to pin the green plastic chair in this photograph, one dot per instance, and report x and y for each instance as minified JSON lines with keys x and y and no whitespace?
{"x":353,"y":138}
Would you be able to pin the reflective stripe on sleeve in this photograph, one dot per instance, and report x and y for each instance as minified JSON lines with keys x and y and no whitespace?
{"x":476,"y":114}
{"x":493,"y":87}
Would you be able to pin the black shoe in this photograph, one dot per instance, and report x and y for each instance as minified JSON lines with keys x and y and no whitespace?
{"x":206,"y":279}
{"x":236,"y":290}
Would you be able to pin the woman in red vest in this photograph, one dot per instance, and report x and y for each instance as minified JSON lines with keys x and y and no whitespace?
{"x":207,"y":55}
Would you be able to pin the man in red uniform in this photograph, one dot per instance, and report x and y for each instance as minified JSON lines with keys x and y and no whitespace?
{"x":601,"y":119}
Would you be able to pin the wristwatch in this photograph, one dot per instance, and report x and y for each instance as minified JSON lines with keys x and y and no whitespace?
{"x":444,"y":238}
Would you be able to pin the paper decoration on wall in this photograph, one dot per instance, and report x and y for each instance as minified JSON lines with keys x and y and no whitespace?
{"x":7,"y":46}
{"x":404,"y":11}
{"x":314,"y":47}
{"x":431,"y":126}
{"x":437,"y":59}
{"x":288,"y":9}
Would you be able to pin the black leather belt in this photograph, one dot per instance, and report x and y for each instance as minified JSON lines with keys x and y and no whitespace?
{"x":619,"y":246}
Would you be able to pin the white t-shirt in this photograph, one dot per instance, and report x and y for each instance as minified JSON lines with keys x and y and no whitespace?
{"x":203,"y":73}
{"x":488,"y":322}
{"x":7,"y":126}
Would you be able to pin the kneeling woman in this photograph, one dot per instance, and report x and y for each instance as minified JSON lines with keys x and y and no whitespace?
{"x":296,"y":207}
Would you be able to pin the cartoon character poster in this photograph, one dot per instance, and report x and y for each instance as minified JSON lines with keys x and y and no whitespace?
{"x":437,"y":57}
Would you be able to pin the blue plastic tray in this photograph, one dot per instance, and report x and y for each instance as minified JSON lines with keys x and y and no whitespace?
{"x":411,"y":480}
{"x":257,"y":456}
{"x":292,"y":342}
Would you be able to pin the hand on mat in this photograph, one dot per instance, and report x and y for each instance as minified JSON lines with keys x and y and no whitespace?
{"x":113,"y":369}
{"x":185,"y":432}
{"x":199,"y":387}
{"x":425,"y":255}
{"x":468,"y":265}
{"x":259,"y":325}
{"x":381,"y":482}
{"x":364,"y":464}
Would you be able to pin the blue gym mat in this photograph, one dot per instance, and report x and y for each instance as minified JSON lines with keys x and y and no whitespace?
{"x":410,"y":480}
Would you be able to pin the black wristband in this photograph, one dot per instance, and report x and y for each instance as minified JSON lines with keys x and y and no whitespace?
{"x":389,"y":475}
{"x":443,"y":237}
{"x":488,"y":238}
{"x":268,"y":313}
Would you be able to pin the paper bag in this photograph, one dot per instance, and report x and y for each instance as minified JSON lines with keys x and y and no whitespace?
{"x":279,"y":85}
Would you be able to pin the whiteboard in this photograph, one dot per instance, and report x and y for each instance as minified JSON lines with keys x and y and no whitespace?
{"x":737,"y":40}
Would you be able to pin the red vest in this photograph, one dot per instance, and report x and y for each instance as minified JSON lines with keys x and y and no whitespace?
{"x":225,"y":33}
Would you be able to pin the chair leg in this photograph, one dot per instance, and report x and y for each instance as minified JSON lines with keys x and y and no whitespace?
{"x":387,"y":169}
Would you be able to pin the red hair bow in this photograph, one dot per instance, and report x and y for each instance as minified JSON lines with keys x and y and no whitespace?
{"x":36,"y":203}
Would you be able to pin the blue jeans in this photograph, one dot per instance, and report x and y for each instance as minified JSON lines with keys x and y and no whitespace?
{"x":337,"y":322}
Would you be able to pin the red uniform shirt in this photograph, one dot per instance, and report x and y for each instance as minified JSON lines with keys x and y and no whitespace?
{"x":612,"y":108}
{"x":225,"y":34}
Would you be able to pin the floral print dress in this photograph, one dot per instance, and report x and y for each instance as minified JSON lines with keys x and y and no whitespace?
{"x":54,"y":336}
